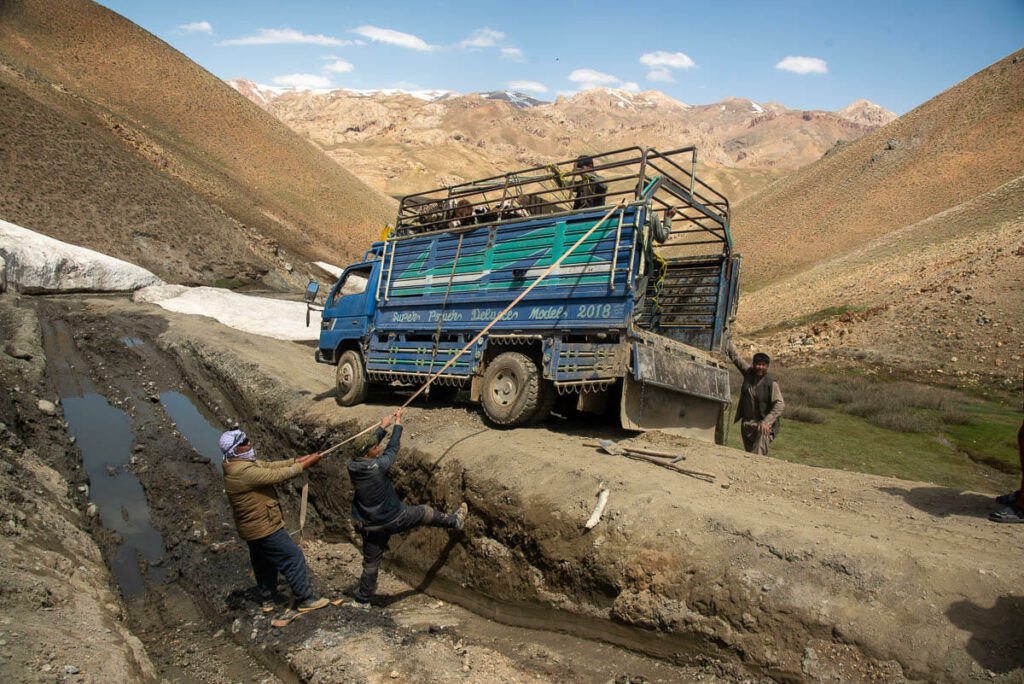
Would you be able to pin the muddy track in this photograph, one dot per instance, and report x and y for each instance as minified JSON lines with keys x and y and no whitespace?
{"x":774,"y":570}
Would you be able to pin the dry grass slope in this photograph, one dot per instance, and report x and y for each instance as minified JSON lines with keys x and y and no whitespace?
{"x":954,"y":147}
{"x":190,"y":125}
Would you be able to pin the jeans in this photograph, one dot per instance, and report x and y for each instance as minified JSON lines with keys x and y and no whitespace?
{"x":376,"y":538}
{"x":278,"y":553}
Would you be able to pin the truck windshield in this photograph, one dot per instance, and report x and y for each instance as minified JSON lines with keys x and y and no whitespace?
{"x":354,"y":283}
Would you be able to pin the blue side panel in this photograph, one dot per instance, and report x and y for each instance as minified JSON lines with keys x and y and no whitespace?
{"x":592,"y":288}
{"x":397,"y":353}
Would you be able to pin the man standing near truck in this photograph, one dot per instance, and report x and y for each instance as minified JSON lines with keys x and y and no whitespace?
{"x":760,"y":404}
{"x":378,"y":511}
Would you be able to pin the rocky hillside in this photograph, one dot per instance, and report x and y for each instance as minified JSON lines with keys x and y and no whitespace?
{"x":960,"y":144}
{"x":403,"y":142}
{"x":910,"y":242}
{"x":113,"y":140}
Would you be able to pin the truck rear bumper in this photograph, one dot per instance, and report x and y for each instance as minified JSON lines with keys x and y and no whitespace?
{"x":675,"y":388}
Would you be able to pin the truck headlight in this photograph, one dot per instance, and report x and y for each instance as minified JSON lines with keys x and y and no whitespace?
{"x":326,"y":323}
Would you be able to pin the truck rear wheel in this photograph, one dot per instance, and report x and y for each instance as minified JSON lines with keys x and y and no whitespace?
{"x":511,"y":389}
{"x":351,"y":379}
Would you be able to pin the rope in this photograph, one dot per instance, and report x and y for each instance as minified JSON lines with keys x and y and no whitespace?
{"x":444,"y":303}
{"x":621,"y":206}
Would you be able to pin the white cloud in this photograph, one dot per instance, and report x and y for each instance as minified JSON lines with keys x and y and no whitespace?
{"x":527,"y":86}
{"x":672,"y":60}
{"x":512,"y":54}
{"x":482,"y":38}
{"x":661,"y":63}
{"x":303,"y":81}
{"x":285,"y":36}
{"x":803,"y":65}
{"x":197,"y":27}
{"x":392,"y":37}
{"x":589,"y":78}
{"x":339,"y":66}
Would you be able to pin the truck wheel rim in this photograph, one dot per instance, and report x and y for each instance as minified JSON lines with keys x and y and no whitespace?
{"x":347,"y":375}
{"x":505,"y":388}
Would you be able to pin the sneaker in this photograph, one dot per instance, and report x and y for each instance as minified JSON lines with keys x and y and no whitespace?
{"x":311,"y":604}
{"x":1011,"y":514}
{"x":460,"y":516}
{"x":1008,"y":499}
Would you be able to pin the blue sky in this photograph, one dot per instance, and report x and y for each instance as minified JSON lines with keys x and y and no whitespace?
{"x":806,"y":55}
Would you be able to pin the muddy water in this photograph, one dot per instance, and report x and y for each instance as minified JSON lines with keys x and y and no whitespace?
{"x":103,"y":434}
{"x":196,"y":423}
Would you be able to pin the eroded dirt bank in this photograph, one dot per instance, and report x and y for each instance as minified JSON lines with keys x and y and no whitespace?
{"x":775,"y":569}
{"x":790,"y":571}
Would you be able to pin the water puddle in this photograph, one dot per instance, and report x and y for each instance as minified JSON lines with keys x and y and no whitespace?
{"x":131,"y":342}
{"x":104,"y":436}
{"x":196,"y":423}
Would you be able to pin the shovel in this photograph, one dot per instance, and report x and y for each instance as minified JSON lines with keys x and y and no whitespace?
{"x":617,"y":449}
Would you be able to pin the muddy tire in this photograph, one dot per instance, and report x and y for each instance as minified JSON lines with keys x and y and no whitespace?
{"x":350,"y":380}
{"x":546,"y":402}
{"x":511,"y":389}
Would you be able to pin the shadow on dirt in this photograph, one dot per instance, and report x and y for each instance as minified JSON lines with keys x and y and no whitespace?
{"x":989,"y":627}
{"x":943,"y":502}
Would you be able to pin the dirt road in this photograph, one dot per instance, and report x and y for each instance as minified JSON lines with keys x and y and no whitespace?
{"x":775,"y":569}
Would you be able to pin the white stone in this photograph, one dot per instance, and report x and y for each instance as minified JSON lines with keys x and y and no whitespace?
{"x":35,"y":263}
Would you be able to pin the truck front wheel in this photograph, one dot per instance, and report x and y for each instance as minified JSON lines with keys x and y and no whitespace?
{"x":511,"y":389}
{"x":351,"y":379}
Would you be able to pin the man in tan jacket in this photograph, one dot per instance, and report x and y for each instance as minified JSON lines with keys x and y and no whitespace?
{"x":250,"y":488}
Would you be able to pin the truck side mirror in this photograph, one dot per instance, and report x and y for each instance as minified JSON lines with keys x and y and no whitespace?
{"x":311,"y":291}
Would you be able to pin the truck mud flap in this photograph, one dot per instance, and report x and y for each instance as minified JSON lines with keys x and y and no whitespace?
{"x":677,"y":395}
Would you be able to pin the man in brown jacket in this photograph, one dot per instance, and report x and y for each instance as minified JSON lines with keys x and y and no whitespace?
{"x":250,"y":488}
{"x":761,"y":403}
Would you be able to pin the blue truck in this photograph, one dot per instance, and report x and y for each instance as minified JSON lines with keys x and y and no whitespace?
{"x":631,"y":323}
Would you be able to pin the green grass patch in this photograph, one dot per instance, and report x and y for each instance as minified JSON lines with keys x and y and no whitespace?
{"x":894,"y":428}
{"x":808,"y":319}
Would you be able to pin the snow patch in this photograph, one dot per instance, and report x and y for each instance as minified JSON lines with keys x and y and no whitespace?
{"x":36,"y":263}
{"x":330,"y":268}
{"x":276,"y":318}
{"x":757,"y":108}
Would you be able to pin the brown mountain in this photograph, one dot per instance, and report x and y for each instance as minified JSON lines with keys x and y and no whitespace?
{"x":954,"y":147}
{"x":402,"y":143}
{"x":916,"y":232}
{"x":114,"y":140}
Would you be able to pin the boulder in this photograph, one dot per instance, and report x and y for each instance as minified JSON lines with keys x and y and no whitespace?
{"x":35,"y":263}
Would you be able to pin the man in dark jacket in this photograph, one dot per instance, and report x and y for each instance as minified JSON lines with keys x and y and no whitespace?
{"x":760,"y":405}
{"x":589,"y":189}
{"x":378,"y":511}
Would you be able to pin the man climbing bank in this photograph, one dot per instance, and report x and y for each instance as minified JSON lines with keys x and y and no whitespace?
{"x":250,"y":488}
{"x":378,"y":511}
{"x":760,"y":405}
